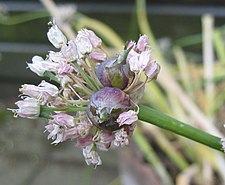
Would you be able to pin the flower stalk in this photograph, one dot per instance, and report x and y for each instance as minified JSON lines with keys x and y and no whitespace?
{"x":161,"y":120}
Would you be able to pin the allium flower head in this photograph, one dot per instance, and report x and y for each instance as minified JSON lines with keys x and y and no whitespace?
{"x":92,"y":100}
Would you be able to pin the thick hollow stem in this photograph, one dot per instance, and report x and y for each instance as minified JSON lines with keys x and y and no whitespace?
{"x":163,"y":121}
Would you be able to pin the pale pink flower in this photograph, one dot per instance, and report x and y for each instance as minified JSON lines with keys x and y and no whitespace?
{"x":95,"y":41}
{"x":138,"y":62}
{"x":104,"y":140}
{"x":142,"y":43}
{"x":97,"y":55}
{"x":57,"y":56}
{"x":43,"y":92}
{"x":56,"y":133}
{"x":83,"y":127}
{"x":70,"y":133}
{"x":121,"y":138}
{"x":91,"y":156}
{"x":144,"y":59}
{"x":62,"y":119}
{"x":28,"y":108}
{"x":51,"y":89}
{"x":127,"y":118}
{"x":64,"y":68}
{"x":39,"y":65}
{"x":56,"y":37}
{"x":69,"y":51}
{"x":83,"y":45}
{"x":152,"y":70}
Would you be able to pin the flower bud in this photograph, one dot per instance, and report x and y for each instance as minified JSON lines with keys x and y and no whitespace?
{"x":152,"y":70}
{"x":105,"y":106}
{"x":56,"y":37}
{"x":28,"y":108}
{"x":142,"y":43}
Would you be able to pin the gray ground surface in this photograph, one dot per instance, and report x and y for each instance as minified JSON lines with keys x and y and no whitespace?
{"x":28,"y":158}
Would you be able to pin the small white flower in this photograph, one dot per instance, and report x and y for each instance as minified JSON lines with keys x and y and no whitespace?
{"x":56,"y":133}
{"x":56,"y":37}
{"x":39,"y":65}
{"x":121,"y":138}
{"x":91,"y":156}
{"x":83,"y":45}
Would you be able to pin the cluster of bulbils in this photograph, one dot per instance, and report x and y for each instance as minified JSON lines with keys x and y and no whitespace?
{"x":95,"y":98}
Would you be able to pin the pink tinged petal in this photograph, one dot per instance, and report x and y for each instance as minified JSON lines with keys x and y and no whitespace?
{"x":69,"y":51}
{"x":57,"y":56}
{"x":142,"y":43}
{"x":104,"y":140}
{"x":131,"y":54}
{"x":133,"y":64}
{"x":83,"y":45}
{"x":91,"y":156}
{"x":63,"y":119}
{"x":131,"y":44}
{"x":84,"y":141}
{"x":144,"y":59}
{"x":121,"y":138}
{"x":64,"y":68}
{"x":95,"y":41}
{"x":152,"y":70}
{"x":70,"y":134}
{"x":55,"y":133}
{"x":36,"y":66}
{"x":127,"y":118}
{"x":30,"y":90}
{"x":97,"y":55}
{"x":56,"y":37}
{"x":28,"y":108}
{"x":51,"y":89}
{"x":39,"y":66}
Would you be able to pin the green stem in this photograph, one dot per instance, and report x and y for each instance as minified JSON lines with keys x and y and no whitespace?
{"x":89,"y":81}
{"x":67,"y":109}
{"x":163,"y":121}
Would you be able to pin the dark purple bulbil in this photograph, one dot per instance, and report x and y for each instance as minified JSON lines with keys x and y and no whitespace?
{"x":111,"y":73}
{"x":105,"y":106}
